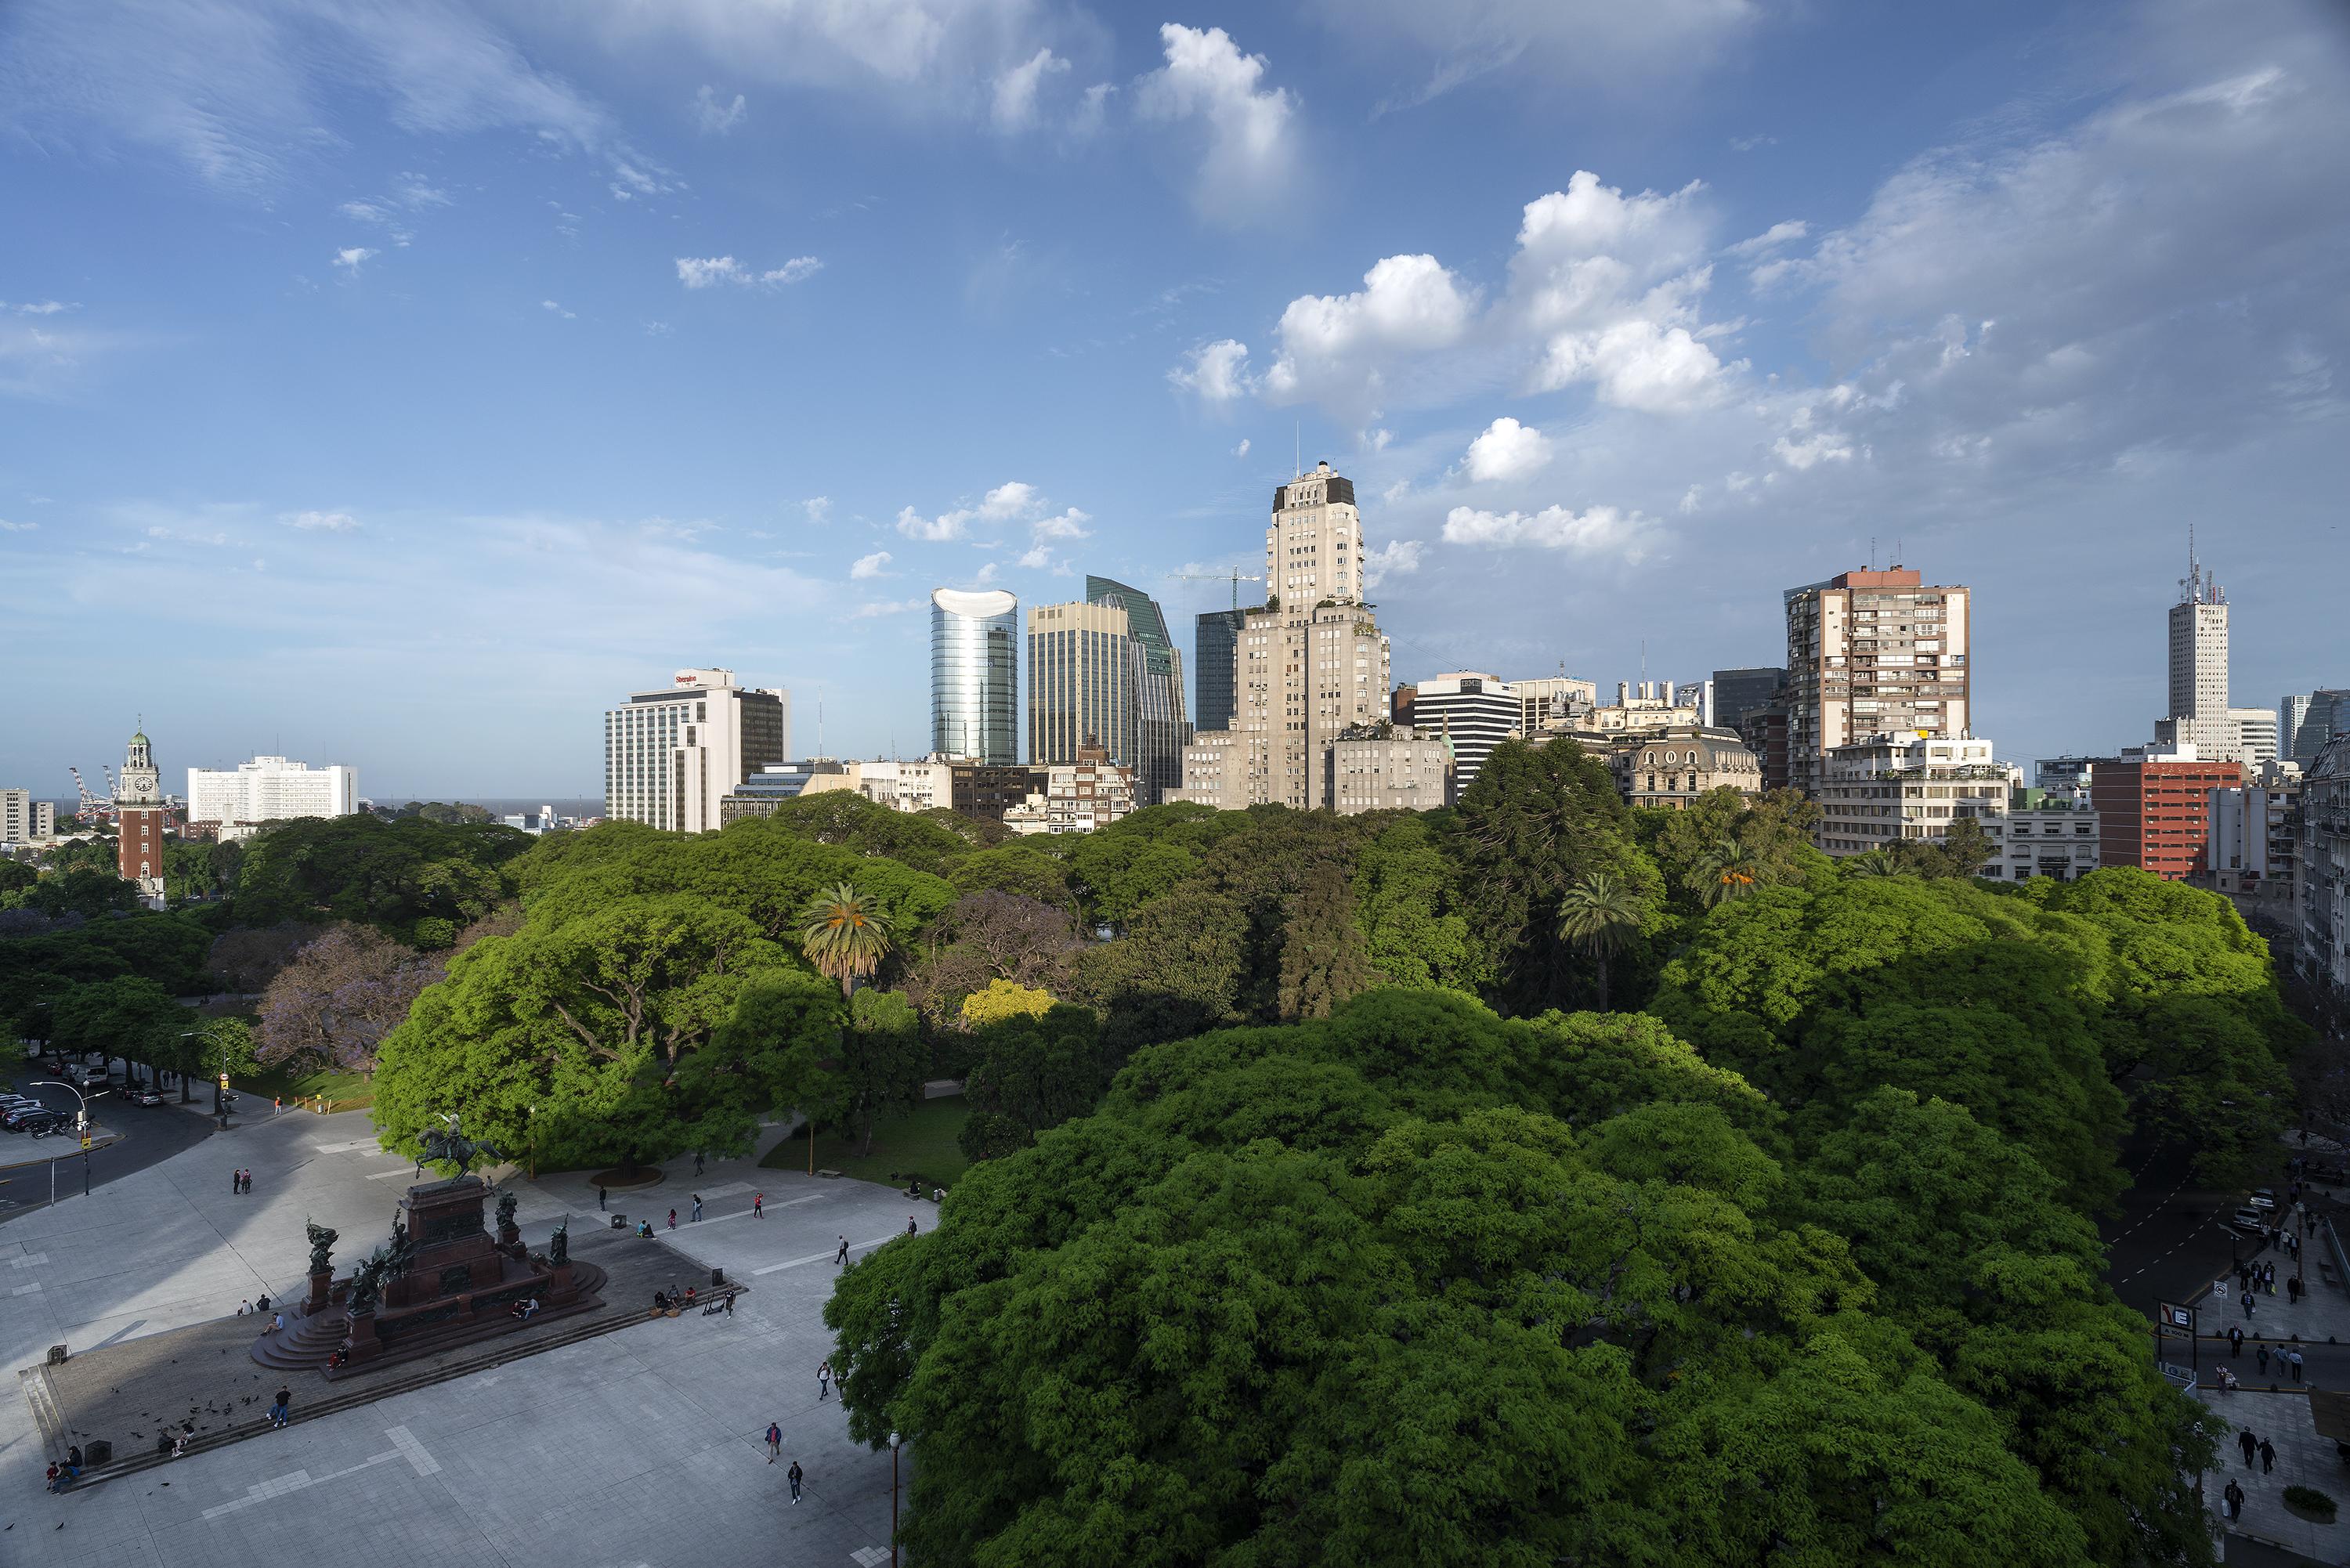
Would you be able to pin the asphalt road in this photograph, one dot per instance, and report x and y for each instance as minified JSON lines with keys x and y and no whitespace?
{"x":151,"y":1134}
{"x":2170,"y":1241}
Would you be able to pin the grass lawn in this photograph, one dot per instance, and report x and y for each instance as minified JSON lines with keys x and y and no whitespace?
{"x":344,"y":1091}
{"x":922,"y":1142}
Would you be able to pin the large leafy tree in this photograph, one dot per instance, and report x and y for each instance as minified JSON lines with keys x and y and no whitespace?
{"x":339,"y":996}
{"x":1034,"y":1071}
{"x":883,"y":1062}
{"x":416,"y":880}
{"x":1409,"y":904}
{"x":1324,"y":958}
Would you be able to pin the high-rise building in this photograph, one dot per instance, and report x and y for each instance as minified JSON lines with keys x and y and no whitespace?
{"x":1475,"y":711}
{"x":269,"y":789}
{"x":1215,"y":640}
{"x":24,"y":819}
{"x":138,"y":818}
{"x":2154,"y":812}
{"x":2198,"y":710}
{"x":2255,"y":733}
{"x":975,"y":675}
{"x":1872,"y":653}
{"x":1161,"y":727}
{"x":2321,"y":867}
{"x":672,"y":755}
{"x":1082,"y":673}
{"x":1309,"y":665}
{"x":2290,"y":713}
{"x":2324,"y":714}
{"x":1738,"y":693}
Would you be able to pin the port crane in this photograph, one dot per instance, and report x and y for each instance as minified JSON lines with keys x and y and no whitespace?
{"x":1236,"y":576}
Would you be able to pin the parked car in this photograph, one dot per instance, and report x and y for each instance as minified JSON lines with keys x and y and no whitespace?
{"x":2249,"y":1219}
{"x":145,"y":1095}
{"x":2262,"y":1198}
{"x":88,"y":1077}
{"x":38,"y":1123}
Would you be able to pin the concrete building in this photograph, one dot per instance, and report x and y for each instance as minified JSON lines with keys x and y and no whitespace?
{"x":976,"y":676}
{"x":1650,"y":705}
{"x":2039,"y":836}
{"x":1161,"y":717}
{"x":2322,"y":869}
{"x":1738,"y":693}
{"x":1898,"y":786}
{"x":768,"y":787}
{"x":2197,"y":712}
{"x":1077,"y":797}
{"x":1309,"y":664}
{"x":1477,"y":712}
{"x":1081,"y":682}
{"x":2153,"y":812}
{"x":672,"y":755}
{"x":1552,"y":703}
{"x":1390,"y":767}
{"x":24,"y":820}
{"x":1872,"y":653}
{"x":2290,"y":712}
{"x":2250,"y":843}
{"x":1764,"y":731}
{"x":237,"y":801}
{"x":1215,"y":640}
{"x":2324,"y":714}
{"x":932,"y":783}
{"x":2066,"y":779}
{"x":1672,"y":767}
{"x":2255,"y":732}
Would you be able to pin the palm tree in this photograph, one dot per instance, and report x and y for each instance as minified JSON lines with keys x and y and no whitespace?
{"x":844,"y":935}
{"x":1878,"y":862}
{"x":1729,"y":870}
{"x":1601,"y":915}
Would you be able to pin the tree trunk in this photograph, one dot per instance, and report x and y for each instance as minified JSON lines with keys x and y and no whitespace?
{"x":1603,"y":982}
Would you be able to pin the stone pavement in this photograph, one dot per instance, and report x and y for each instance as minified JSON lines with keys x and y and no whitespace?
{"x":637,"y":1448}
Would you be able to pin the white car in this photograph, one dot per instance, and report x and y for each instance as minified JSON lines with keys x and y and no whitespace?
{"x":86,"y":1078}
{"x":2262,"y":1198}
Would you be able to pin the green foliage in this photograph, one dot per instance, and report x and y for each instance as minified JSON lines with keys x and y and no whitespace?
{"x":81,"y":891}
{"x":883,"y":1062}
{"x":849,"y":821}
{"x":1408,"y":903}
{"x":2308,"y":1499}
{"x":199,"y":869}
{"x":844,"y":934}
{"x":16,"y":876}
{"x":126,"y":1016}
{"x":1324,"y":958}
{"x":1120,"y":869}
{"x":1033,"y":1072}
{"x":99,"y":854}
{"x":1019,"y":868}
{"x":416,"y":880}
{"x":1178,"y":970}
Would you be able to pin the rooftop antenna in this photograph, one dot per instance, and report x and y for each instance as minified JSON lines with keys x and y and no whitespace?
{"x":1297,"y":449}
{"x":1872,"y":552}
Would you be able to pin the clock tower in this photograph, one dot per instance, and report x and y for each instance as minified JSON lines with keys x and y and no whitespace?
{"x":139,"y":817}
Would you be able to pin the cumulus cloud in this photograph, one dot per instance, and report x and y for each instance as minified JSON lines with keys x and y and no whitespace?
{"x":1241,"y":449}
{"x":1635,"y":364}
{"x":322,"y":521}
{"x":1507,"y":451}
{"x":873,"y":566}
{"x":708,"y":272}
{"x":1395,"y":558}
{"x":1247,"y":128}
{"x":1216,"y":373}
{"x":715,"y":117}
{"x":1341,"y":350}
{"x":1014,"y":500}
{"x":1601,"y":530}
{"x":1014,"y":107}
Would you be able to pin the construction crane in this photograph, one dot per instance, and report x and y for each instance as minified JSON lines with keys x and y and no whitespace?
{"x":1236,"y":576}
{"x":88,"y":810}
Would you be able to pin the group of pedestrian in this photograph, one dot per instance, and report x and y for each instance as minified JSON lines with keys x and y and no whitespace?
{"x":2287,"y":1357}
{"x":2256,"y":1278}
{"x":2261,"y":1447}
{"x":240,"y":1181}
{"x":776,"y":1451}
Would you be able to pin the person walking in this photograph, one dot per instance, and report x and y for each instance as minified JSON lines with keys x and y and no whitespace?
{"x":775,"y":1441}
{"x":758,"y":1206}
{"x":600,"y":1199}
{"x":697,"y":1165}
{"x":824,"y":1382}
{"x":2267,"y":1278}
{"x":842,"y":1256}
{"x":793,"y":1476}
{"x":2250,"y":1444}
{"x":2235,"y":1339}
{"x":729,"y":1300}
{"x":2248,"y":1305}
{"x":277,"y":1105}
{"x":697,"y":1207}
{"x":2232,"y":1496}
{"x":672,"y":1225}
{"x":2268,"y":1456}
{"x":2262,"y":1355}
{"x":2292,"y":1290}
{"x":2293,"y":1359}
{"x":909,"y":1225}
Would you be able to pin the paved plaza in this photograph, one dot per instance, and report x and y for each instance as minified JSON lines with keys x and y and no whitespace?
{"x":639,"y":1446}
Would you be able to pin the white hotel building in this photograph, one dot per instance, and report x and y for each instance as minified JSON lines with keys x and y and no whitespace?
{"x":670,"y":755}
{"x":269,"y":789}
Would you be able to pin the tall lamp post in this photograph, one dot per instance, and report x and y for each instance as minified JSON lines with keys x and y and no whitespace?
{"x":894,"y":1442}
{"x":81,"y":1127}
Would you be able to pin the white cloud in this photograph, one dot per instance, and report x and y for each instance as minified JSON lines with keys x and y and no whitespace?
{"x":886,"y":607}
{"x":714,"y":118}
{"x":1772,"y":238}
{"x":1635,"y":364}
{"x":1207,"y":81}
{"x":1600,"y":46}
{"x":554,"y":308}
{"x":1241,"y":449}
{"x":1337,"y":349}
{"x":818,"y":508}
{"x":44,"y":307}
{"x":987,"y":574}
{"x":1216,"y":372}
{"x":707,"y":272}
{"x":872,"y":565}
{"x":1035,"y":558}
{"x":1507,"y":451}
{"x":322,"y":521}
{"x":914,"y":526}
{"x":367,"y":212}
{"x":1068,"y":525}
{"x":1016,"y":90}
{"x":1395,"y":558}
{"x":1012,"y":502}
{"x":8,"y":527}
{"x":1599,"y":531}
{"x":1826,"y":446}
{"x":350,"y":257}
{"x":1375,"y":439}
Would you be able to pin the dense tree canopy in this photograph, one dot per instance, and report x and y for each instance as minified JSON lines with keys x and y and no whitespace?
{"x":414,"y":879}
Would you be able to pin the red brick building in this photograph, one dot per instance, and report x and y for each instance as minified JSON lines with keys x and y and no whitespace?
{"x":2155,"y":814}
{"x":139,"y":816}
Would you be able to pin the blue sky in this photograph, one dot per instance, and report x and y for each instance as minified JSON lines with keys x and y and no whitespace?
{"x":398,"y":385}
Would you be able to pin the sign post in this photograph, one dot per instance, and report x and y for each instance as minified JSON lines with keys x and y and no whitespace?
{"x":2170,"y":1318}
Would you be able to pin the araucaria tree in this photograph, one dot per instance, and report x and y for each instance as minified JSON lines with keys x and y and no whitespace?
{"x":844,"y":935}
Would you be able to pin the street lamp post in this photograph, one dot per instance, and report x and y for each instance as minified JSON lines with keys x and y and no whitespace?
{"x":894,"y":1442}
{"x":81,"y":1128}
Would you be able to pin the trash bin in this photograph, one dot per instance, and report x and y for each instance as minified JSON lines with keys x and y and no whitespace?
{"x":620,"y":1222}
{"x":717,"y":1276}
{"x":99,"y":1452}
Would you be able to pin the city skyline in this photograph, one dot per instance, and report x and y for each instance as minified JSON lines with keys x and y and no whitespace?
{"x":589,"y":361}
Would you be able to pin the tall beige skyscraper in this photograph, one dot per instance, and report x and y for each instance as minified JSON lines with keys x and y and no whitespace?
{"x":2198,"y":713}
{"x":1872,"y":653}
{"x":1307,"y":665}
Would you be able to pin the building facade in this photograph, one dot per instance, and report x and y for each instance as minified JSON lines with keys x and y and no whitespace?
{"x":24,"y":820}
{"x":2154,"y":814}
{"x":1477,"y":712}
{"x":1872,"y":653}
{"x":769,"y":786}
{"x":672,"y":755}
{"x":2040,"y":836}
{"x":1550,"y":702}
{"x":139,"y":821}
{"x":2324,"y":714}
{"x":1738,"y":693}
{"x":2250,"y":850}
{"x":1082,"y":674}
{"x":1650,"y":705}
{"x":2322,"y":868}
{"x":1390,"y":767}
{"x":2290,"y":712}
{"x":2197,"y":711}
{"x":1673,"y":765}
{"x":1215,"y":640}
{"x":1314,"y":546}
{"x":2255,"y":733}
{"x":1161,"y":718}
{"x":1077,"y":797}
{"x":976,"y":676}
{"x":1764,"y":731}
{"x":269,"y":789}
{"x":1898,"y":786}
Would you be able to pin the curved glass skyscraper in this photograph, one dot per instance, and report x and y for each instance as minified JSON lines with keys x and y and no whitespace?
{"x":975,"y":675}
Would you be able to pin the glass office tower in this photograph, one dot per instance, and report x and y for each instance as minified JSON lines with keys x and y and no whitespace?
{"x":975,"y":675}
{"x":1161,"y":728}
{"x":1215,"y":641}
